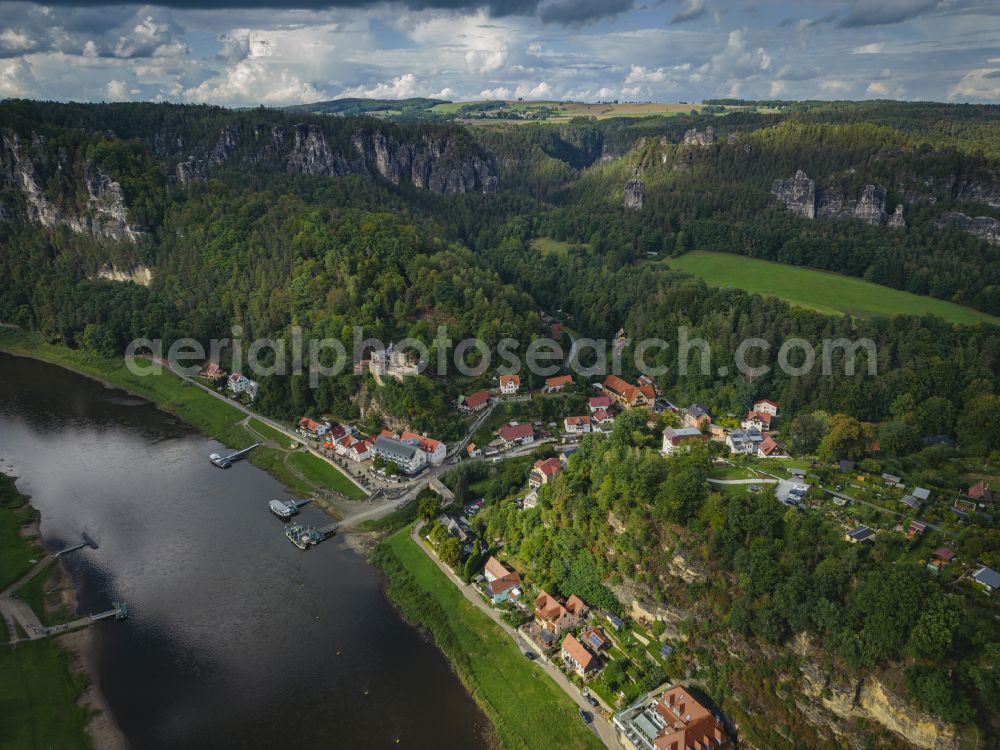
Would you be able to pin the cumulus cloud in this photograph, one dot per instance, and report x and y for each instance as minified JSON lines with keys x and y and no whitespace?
{"x":150,"y":37}
{"x":253,"y":81}
{"x":15,"y":78}
{"x":116,"y":90}
{"x":884,"y":90}
{"x":401,"y":87}
{"x":835,"y":86}
{"x":737,"y":59}
{"x":982,"y":84}
{"x":484,"y":61}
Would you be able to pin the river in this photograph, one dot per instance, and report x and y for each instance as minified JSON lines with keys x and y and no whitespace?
{"x":235,"y":637}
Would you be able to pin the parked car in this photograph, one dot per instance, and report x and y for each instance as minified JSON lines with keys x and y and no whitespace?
{"x":585,"y":715}
{"x":530,"y":655}
{"x":592,"y":701}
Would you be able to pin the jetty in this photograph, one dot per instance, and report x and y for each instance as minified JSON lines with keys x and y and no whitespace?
{"x":224,"y":462}
{"x":304,"y":537}
{"x":119,"y":610}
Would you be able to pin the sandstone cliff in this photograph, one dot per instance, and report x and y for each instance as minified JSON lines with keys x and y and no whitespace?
{"x":635,"y":194}
{"x":983,"y":227}
{"x":26,"y":170}
{"x":801,"y":196}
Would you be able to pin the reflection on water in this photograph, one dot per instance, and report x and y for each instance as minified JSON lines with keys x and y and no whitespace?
{"x":235,"y":637}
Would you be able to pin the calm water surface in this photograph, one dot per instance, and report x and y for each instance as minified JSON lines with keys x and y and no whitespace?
{"x":236,"y":638}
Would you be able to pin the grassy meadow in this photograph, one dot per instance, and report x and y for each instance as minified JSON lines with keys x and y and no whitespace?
{"x":822,"y":291}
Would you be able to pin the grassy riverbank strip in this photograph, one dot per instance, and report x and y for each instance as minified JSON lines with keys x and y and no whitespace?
{"x":528,"y":710}
{"x":212,"y":416}
{"x":39,"y":685}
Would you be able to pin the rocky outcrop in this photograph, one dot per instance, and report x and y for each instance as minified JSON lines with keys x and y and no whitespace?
{"x":24,"y":171}
{"x":312,"y":155}
{"x":694,"y":137}
{"x":797,"y":193}
{"x":191,"y":170}
{"x":635,"y":194}
{"x":229,"y":140}
{"x":140,"y":275}
{"x":870,"y":699}
{"x":443,"y":164}
{"x":984,"y":227}
{"x":801,"y":196}
{"x":896,"y":221}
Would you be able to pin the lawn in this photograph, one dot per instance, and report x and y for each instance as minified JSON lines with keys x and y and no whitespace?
{"x":268,"y":432}
{"x":38,"y":694}
{"x":324,"y":474}
{"x":15,"y":550}
{"x":528,"y":710}
{"x":822,"y":291}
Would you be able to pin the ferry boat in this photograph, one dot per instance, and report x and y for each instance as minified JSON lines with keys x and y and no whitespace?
{"x":303,"y":537}
{"x":283,"y":509}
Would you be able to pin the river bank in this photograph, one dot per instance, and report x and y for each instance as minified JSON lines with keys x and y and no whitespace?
{"x":47,"y":687}
{"x":527,"y":709}
{"x":212,"y":416}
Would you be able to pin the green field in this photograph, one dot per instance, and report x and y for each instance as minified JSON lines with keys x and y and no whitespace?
{"x":549,"y":246}
{"x":822,"y":291}
{"x":266,"y":431}
{"x":527,"y":708}
{"x":325,"y":474}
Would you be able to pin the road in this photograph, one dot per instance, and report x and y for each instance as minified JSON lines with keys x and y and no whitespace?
{"x":600,"y":726}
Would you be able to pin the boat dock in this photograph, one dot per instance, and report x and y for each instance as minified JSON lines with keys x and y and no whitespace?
{"x":224,"y":462}
{"x":119,"y":611}
{"x":304,"y":537}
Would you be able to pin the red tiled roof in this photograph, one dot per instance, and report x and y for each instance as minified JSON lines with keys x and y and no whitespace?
{"x":477,"y":399}
{"x":978,"y":491}
{"x":601,"y":415}
{"x":511,"y":432}
{"x":558,"y":381}
{"x":764,"y":417}
{"x":575,"y":605}
{"x":495,"y":568}
{"x":578,"y":653}
{"x":429,"y":445}
{"x":505,"y":379}
{"x":549,"y":466}
{"x":768,"y":446}
{"x":578,"y":420}
{"x":765,"y":401}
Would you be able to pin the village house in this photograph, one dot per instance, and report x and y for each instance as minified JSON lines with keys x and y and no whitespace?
{"x":916,"y":529}
{"x":576,"y":425}
{"x":514,"y":433}
{"x":501,"y":584}
{"x":408,"y":457}
{"x":765,"y":406}
{"x":510,"y":384}
{"x":595,"y":639}
{"x":312,"y":429}
{"x":354,"y":449}
{"x":530,"y":500}
{"x":601,"y":420}
{"x":435,"y":449}
{"x":980,"y":492}
{"x":757,"y":420}
{"x":910,"y":501}
{"x":555,"y":617}
{"x":744,"y":442}
{"x":859,"y":535}
{"x":696,"y":416}
{"x":558,"y":383}
{"x":941,"y":558}
{"x":674,"y":437}
{"x":599,"y":403}
{"x":475,"y":402}
{"x":577,"y":657}
{"x":671,"y":721}
{"x":769,"y":448}
{"x":544,"y":471}
{"x":988,"y":578}
{"x":394,"y":363}
{"x":473,"y":450}
{"x":627,"y":395}
{"x":240,"y":384}
{"x":213,"y":372}
{"x":922,"y":494}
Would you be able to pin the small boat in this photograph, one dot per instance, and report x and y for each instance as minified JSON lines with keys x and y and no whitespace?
{"x":283,"y":509}
{"x":303,"y":537}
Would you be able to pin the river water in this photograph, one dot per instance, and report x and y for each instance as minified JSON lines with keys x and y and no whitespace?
{"x":235,"y":637}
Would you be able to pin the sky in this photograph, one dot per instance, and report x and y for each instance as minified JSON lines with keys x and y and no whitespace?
{"x":249,"y":52}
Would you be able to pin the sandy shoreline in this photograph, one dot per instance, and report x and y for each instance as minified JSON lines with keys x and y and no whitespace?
{"x":102,"y":727}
